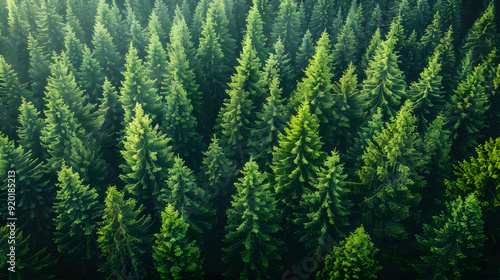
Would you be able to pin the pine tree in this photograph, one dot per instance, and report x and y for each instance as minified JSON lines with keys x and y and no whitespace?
{"x":353,"y":259}
{"x":123,"y":237}
{"x":11,"y":94}
{"x":296,"y":160}
{"x":175,"y":256}
{"x":375,"y":42}
{"x":427,"y":94}
{"x":30,"y":129}
{"x":268,"y":12}
{"x":106,"y":54}
{"x":16,"y":30}
{"x":306,"y":52}
{"x":466,"y":111}
{"x":50,"y":33}
{"x":317,"y":87}
{"x":137,"y":88}
{"x":375,"y":21}
{"x":217,"y":14}
{"x":161,"y":11}
{"x":477,"y":176}
{"x":345,"y":50}
{"x":90,"y":76}
{"x":73,"y":23}
{"x":278,"y":66}
{"x":447,"y":51}
{"x":28,"y":261}
{"x":483,"y":36}
{"x":452,"y":243}
{"x":109,"y":18}
{"x":272,"y":119}
{"x":73,"y":47}
{"x":326,"y":206}
{"x":321,"y":18}
{"x":77,"y":209}
{"x":412,"y":62}
{"x":390,"y":178}
{"x":287,"y":27}
{"x":180,"y":124}
{"x":432,"y":37}
{"x":255,"y":30}
{"x":81,"y":16}
{"x":183,"y":193}
{"x":384,"y":85}
{"x":34,"y":197}
{"x":156,"y":62}
{"x":252,"y":246}
{"x":148,"y":156}
{"x":136,"y":36}
{"x":420,"y":16}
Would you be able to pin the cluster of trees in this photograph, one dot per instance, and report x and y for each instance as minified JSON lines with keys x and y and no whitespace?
{"x":186,"y":139}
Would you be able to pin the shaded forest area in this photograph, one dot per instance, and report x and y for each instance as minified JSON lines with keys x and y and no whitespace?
{"x":238,"y":139}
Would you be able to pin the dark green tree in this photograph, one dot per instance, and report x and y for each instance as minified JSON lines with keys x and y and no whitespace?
{"x":306,"y":52}
{"x":160,"y":10}
{"x":16,"y":32}
{"x":287,"y":27}
{"x":483,"y":36}
{"x":148,"y":156}
{"x":296,"y":160}
{"x":375,"y":21}
{"x":345,"y":50}
{"x":326,"y":206}
{"x":11,"y":94}
{"x":106,"y":54}
{"x":109,"y":18}
{"x":255,"y":30}
{"x":278,"y":66}
{"x":184,"y":194}
{"x":73,"y":23}
{"x":123,"y":237}
{"x":136,"y":35}
{"x":50,"y":33}
{"x":156,"y":62}
{"x":375,"y":42}
{"x":90,"y":76}
{"x":174,"y":255}
{"x":77,"y":211}
{"x":73,"y":47}
{"x":451,"y":245}
{"x":448,"y":70}
{"x":199,"y":17}
{"x":322,"y":16}
{"x":30,"y":129}
{"x":432,"y":37}
{"x":353,"y":259}
{"x":252,"y":246}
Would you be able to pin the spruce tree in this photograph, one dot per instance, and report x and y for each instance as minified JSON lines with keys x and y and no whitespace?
{"x":30,"y":129}
{"x":11,"y":94}
{"x":109,"y":18}
{"x":321,"y":18}
{"x":255,"y":30}
{"x":427,"y":94}
{"x":375,"y":21}
{"x":156,"y":62}
{"x":90,"y":76}
{"x":306,"y":52}
{"x":353,"y":259}
{"x":390,"y":178}
{"x":447,"y":51}
{"x":483,"y":36}
{"x":451,"y":244}
{"x":375,"y":42}
{"x":148,"y":156}
{"x":326,"y":207}
{"x":199,"y":17}
{"x":106,"y":54}
{"x":287,"y":27}
{"x":184,"y":194}
{"x":136,"y":36}
{"x":252,"y":246}
{"x":345,"y":50}
{"x":432,"y":37}
{"x":78,"y":210}
{"x":16,"y":31}
{"x":165,"y":21}
{"x":278,"y":65}
{"x":50,"y":32}
{"x":73,"y":47}
{"x":175,"y":256}
{"x":137,"y":88}
{"x":296,"y":160}
{"x":73,"y":23}
{"x":122,"y":236}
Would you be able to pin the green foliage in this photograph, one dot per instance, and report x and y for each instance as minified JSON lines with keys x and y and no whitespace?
{"x":254,"y":30}
{"x":375,"y":42}
{"x":123,"y":237}
{"x":390,"y":178}
{"x":345,"y":50}
{"x":28,"y":261}
{"x":110,"y":19}
{"x":156,"y":62}
{"x":30,"y":129}
{"x":50,"y":33}
{"x":148,"y":156}
{"x":183,"y":193}
{"x":106,"y":54}
{"x":447,"y":51}
{"x":321,"y":18}
{"x":432,"y":37}
{"x":482,"y":38}
{"x":11,"y":93}
{"x":78,"y":210}
{"x":437,"y":145}
{"x":306,"y":52}
{"x":326,"y":206}
{"x":252,"y":246}
{"x":479,"y":175}
{"x":175,"y":256}
{"x":90,"y":76}
{"x":296,"y":160}
{"x":162,"y":28}
{"x":278,"y":65}
{"x":287,"y":27}
{"x":73,"y":47}
{"x":353,"y":259}
{"x":136,"y":36}
{"x":452,"y":243}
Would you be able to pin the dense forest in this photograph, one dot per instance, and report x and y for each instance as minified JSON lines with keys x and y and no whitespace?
{"x":250,"y":139}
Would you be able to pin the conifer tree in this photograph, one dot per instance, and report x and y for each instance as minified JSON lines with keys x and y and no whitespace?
{"x":217,"y":14}
{"x":73,"y":23}
{"x":321,"y":18}
{"x":483,"y":35}
{"x":148,"y":156}
{"x":375,"y":42}
{"x":106,"y":54}
{"x":122,"y":236}
{"x":296,"y":160}
{"x":452,"y":243}
{"x":73,"y":47}
{"x":447,"y":51}
{"x":306,"y":52}
{"x":137,"y":88}
{"x":390,"y":178}
{"x":287,"y":27}
{"x":278,"y":65}
{"x":109,"y":18}
{"x":50,"y":33}
{"x":28,"y":261}
{"x":16,"y":30}
{"x":81,"y":15}
{"x":255,"y":30}
{"x":432,"y":37}
{"x":180,"y":124}
{"x":375,"y":21}
{"x":184,"y":194}
{"x":174,"y":255}
{"x":466,"y":111}
{"x":384,"y":85}
{"x":30,"y":129}
{"x":135,"y":33}
{"x":78,"y":210}
{"x":155,"y":28}
{"x":34,"y":197}
{"x":11,"y":93}
{"x":412,"y":62}
{"x":317,"y":87}
{"x":160,"y":10}
{"x":326,"y":207}
{"x":420,"y":16}
{"x":272,"y":119}
{"x":345,"y":50}
{"x":252,"y":246}
{"x":353,"y":259}
{"x":156,"y":62}
{"x":90,"y":76}
{"x":427,"y":94}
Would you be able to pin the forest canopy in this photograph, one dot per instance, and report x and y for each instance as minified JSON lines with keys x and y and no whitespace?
{"x":250,"y":139}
